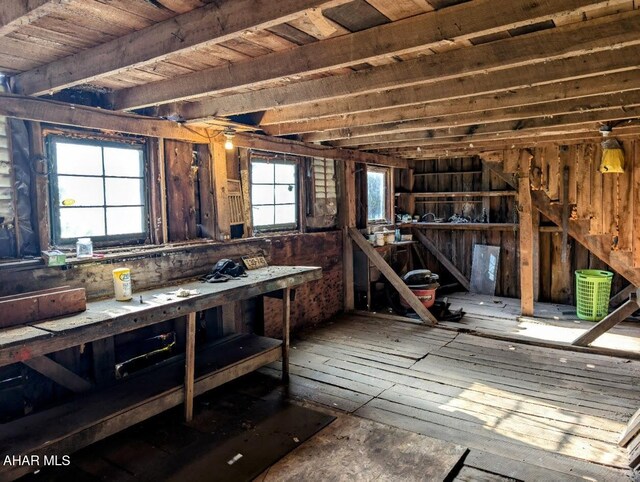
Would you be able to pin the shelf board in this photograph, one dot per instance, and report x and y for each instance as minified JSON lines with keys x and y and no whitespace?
{"x":463,"y":226}
{"x":450,"y":173}
{"x":459,"y":194}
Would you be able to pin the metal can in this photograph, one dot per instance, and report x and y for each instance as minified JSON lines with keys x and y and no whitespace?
{"x":122,"y":284}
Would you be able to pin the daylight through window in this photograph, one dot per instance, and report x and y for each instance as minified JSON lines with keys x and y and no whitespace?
{"x":377,"y":194}
{"x":97,"y":190}
{"x":274,"y":195}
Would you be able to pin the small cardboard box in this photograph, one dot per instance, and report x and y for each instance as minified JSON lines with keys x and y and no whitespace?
{"x":54,"y":258}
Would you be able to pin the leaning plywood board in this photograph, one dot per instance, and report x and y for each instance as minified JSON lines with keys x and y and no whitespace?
{"x":42,"y":305}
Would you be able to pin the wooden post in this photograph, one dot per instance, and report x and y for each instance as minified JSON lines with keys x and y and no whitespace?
{"x":393,"y":278}
{"x":619,"y":315}
{"x":36,"y":143}
{"x":526,"y":237}
{"x":189,"y":366}
{"x":245,"y":180}
{"x":286,"y":321}
{"x":219,"y":157}
{"x":535,"y":246}
{"x":347,"y":219}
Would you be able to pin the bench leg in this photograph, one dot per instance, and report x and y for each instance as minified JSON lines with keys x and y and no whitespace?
{"x":286,"y":320}
{"x":189,"y":366}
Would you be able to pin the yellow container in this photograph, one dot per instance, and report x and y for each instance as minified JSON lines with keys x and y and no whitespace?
{"x":122,"y":284}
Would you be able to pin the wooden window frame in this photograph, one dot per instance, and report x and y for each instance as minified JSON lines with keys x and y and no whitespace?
{"x":131,"y":239}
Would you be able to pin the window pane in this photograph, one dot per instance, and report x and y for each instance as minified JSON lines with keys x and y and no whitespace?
{"x":285,"y":173}
{"x":376,"y":196}
{"x":262,"y":194}
{"x":80,"y":191}
{"x":263,"y":215}
{"x":286,"y":214}
{"x":125,"y":220}
{"x":125,"y":162}
{"x":286,"y":194}
{"x":79,"y":222}
{"x":261,"y":173}
{"x":124,"y":192}
{"x":78,"y":159}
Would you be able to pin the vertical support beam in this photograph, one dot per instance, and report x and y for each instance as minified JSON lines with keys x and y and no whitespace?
{"x":486,"y":186}
{"x":219,"y":157}
{"x":158,"y":191}
{"x":535,"y":246}
{"x":245,"y":181}
{"x":207,"y":196}
{"x":286,"y":321}
{"x":41,"y":184}
{"x":189,"y":366}
{"x":162,"y":173}
{"x":635,"y":204}
{"x":347,"y":219}
{"x":527,"y":265}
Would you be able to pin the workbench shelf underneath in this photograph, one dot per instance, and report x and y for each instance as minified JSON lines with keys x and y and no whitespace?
{"x":87,"y":419}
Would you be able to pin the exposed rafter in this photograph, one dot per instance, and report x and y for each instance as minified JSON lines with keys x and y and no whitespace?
{"x":415,"y":34}
{"x":214,"y":23}
{"x":18,"y":13}
{"x":573,"y":40}
{"x":582,"y":91}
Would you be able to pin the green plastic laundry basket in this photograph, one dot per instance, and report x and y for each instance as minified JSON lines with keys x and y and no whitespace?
{"x":593,"y":287}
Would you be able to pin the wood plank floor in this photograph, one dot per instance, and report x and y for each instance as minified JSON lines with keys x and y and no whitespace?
{"x":552,"y":322}
{"x":525,"y":412}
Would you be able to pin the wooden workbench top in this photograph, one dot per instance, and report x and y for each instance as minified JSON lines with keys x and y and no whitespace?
{"x":109,"y":317}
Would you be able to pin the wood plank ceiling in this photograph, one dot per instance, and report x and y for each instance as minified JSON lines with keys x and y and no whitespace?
{"x":408,"y":78}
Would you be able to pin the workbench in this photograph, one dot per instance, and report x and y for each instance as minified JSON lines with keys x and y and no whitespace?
{"x":100,"y":413}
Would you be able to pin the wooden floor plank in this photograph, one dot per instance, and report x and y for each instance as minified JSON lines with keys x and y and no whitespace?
{"x":386,"y":412}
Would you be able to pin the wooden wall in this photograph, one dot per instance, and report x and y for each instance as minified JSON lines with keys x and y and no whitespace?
{"x":604,"y":200}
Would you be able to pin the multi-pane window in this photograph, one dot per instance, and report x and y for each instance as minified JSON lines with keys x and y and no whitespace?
{"x":97,"y":190}
{"x":377,"y":194}
{"x":274,"y":194}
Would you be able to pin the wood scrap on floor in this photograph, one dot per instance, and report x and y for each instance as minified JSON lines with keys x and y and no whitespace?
{"x":365,"y":450}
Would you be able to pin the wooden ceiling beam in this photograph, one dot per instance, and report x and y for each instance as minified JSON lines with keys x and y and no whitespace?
{"x":366,"y":123}
{"x":547,"y":109}
{"x":411,"y":99}
{"x":214,"y":23}
{"x":276,"y":144}
{"x":526,"y":131}
{"x":62,"y":113}
{"x":601,"y":34}
{"x":18,"y":13}
{"x":418,"y":33}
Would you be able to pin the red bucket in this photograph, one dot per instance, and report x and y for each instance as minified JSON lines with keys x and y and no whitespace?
{"x":427,"y":297}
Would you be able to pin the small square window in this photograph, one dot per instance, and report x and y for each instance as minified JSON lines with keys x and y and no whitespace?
{"x":274,"y":195}
{"x":97,"y":190}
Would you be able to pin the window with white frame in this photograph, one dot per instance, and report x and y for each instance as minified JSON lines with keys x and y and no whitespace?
{"x":97,"y":190}
{"x":379,"y":209}
{"x":274,"y":194}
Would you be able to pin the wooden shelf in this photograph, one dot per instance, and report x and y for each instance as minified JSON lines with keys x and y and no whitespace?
{"x":88,"y":419}
{"x":450,"y":173}
{"x":459,"y":194}
{"x":463,"y":226}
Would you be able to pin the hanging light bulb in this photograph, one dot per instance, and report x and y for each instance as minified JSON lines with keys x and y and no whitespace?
{"x":229,"y":134}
